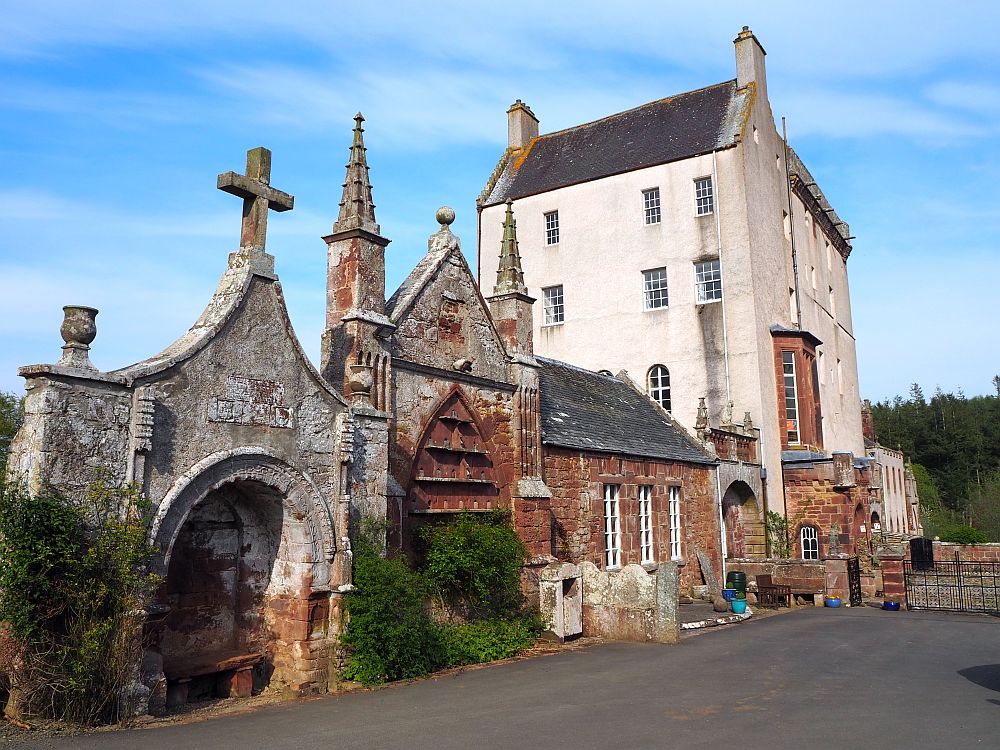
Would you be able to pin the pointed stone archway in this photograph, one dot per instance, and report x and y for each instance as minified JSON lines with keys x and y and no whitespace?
{"x":249,"y":564}
{"x":745,"y":532}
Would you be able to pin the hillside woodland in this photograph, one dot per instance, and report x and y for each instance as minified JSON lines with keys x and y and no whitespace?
{"x":954,"y":444}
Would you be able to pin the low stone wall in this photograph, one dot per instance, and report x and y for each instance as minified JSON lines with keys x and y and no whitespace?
{"x":630,"y":604}
{"x":945,"y":552}
{"x":804,"y":576}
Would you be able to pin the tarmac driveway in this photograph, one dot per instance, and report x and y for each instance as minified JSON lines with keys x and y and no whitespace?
{"x":816,"y":678}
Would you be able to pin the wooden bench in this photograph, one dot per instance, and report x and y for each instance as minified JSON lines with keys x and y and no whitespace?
{"x":234,"y":670}
{"x":770,"y":594}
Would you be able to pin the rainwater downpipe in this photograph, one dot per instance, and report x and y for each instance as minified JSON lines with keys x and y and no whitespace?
{"x":791,"y":228}
{"x":722,"y":523}
{"x":722,"y":274}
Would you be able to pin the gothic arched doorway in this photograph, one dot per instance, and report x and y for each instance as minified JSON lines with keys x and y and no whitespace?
{"x":744,"y":525}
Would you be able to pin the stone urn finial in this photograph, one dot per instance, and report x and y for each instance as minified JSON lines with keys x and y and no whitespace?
{"x":359,"y":385}
{"x":78,"y":330}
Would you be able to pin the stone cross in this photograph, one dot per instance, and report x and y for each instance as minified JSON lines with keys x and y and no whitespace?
{"x":258,"y":196}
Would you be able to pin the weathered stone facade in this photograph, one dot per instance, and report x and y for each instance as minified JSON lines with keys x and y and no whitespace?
{"x":426,"y":404}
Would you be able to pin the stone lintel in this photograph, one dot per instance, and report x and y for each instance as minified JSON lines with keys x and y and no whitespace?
{"x":370,"y":412}
{"x":532,"y":487}
{"x":504,"y":296}
{"x":524,"y":360}
{"x":36,"y":371}
{"x":368,"y":316}
{"x":349,"y":234}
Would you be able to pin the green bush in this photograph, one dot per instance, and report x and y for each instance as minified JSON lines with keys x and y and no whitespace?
{"x":73,"y":591}
{"x":486,"y":640}
{"x":964,"y":535}
{"x":389,"y":634}
{"x":474,"y":564}
{"x":471,"y":566}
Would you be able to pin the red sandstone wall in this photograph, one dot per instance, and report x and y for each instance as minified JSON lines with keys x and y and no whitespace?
{"x":812,"y":499}
{"x":945,"y":552}
{"x":576,"y":480}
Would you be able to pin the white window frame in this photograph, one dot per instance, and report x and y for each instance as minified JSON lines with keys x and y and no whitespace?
{"x":612,"y":527}
{"x":809,"y":542}
{"x":708,"y":281}
{"x":651,"y":206}
{"x":553,"y":305}
{"x":646,"y":525}
{"x":658,"y":385}
{"x":704,"y":196}
{"x":654,"y":288}
{"x":674,"y":513}
{"x":551,"y":227}
{"x":791,"y":390}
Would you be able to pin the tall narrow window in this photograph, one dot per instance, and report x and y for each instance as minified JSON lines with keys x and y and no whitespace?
{"x":612,"y":530}
{"x":645,"y":524}
{"x":708,"y":281}
{"x":552,"y":305}
{"x":658,"y":385}
{"x":674,"y":507}
{"x":552,"y":228}
{"x":809,"y":540}
{"x":833,"y":304}
{"x":654,"y":283}
{"x":704,"y":200}
{"x":651,"y":205}
{"x":791,"y":398}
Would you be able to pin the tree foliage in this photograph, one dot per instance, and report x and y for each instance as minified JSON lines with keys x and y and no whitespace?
{"x":11,"y":416}
{"x":954,"y":443}
{"x":73,"y":590}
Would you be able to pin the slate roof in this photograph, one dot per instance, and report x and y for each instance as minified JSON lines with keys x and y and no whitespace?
{"x":586,"y":410}
{"x":678,"y":127}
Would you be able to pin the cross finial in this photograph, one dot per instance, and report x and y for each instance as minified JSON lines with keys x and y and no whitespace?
{"x":258,"y":196}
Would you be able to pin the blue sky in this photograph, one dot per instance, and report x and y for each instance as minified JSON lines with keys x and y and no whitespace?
{"x":115,"y":118}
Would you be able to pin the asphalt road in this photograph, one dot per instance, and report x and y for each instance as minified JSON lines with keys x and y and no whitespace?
{"x":848,"y":678}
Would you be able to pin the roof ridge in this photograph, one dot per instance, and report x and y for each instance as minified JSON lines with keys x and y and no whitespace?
{"x":633,"y":109}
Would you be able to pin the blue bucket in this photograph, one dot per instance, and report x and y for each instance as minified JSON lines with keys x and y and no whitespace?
{"x":728,"y":594}
{"x":833,"y":601}
{"x":739,"y":606}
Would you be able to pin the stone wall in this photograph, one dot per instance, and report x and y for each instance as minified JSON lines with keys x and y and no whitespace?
{"x":945,"y":552}
{"x":630,"y":604}
{"x":577,"y":482}
{"x":804,"y":576}
{"x":814,"y":496}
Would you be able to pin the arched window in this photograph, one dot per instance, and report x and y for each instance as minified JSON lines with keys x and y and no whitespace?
{"x":658,"y":385}
{"x":809,"y":540}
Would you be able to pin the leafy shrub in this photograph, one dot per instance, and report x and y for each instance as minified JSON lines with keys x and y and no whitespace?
{"x":486,"y":640}
{"x":964,"y":535}
{"x":389,"y":633}
{"x":73,"y":590}
{"x":474,"y":564}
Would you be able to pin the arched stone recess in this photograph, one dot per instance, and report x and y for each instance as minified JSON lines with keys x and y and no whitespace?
{"x":302,"y":499}
{"x":246,"y":543}
{"x":453,"y":467}
{"x":744,"y":522}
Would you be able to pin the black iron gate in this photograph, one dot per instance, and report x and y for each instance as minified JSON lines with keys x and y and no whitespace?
{"x":854,"y":581}
{"x":957,"y":586}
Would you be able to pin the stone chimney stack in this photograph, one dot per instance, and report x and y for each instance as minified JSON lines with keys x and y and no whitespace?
{"x":510,"y":303}
{"x":522,"y":125}
{"x":867,"y":422}
{"x":750,"y":62}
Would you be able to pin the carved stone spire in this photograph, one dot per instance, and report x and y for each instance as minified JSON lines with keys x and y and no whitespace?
{"x":357,"y":209}
{"x":510,"y":276}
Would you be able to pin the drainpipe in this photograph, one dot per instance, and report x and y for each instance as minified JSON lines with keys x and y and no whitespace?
{"x":791,"y":228}
{"x":722,"y":523}
{"x":722,"y":274}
